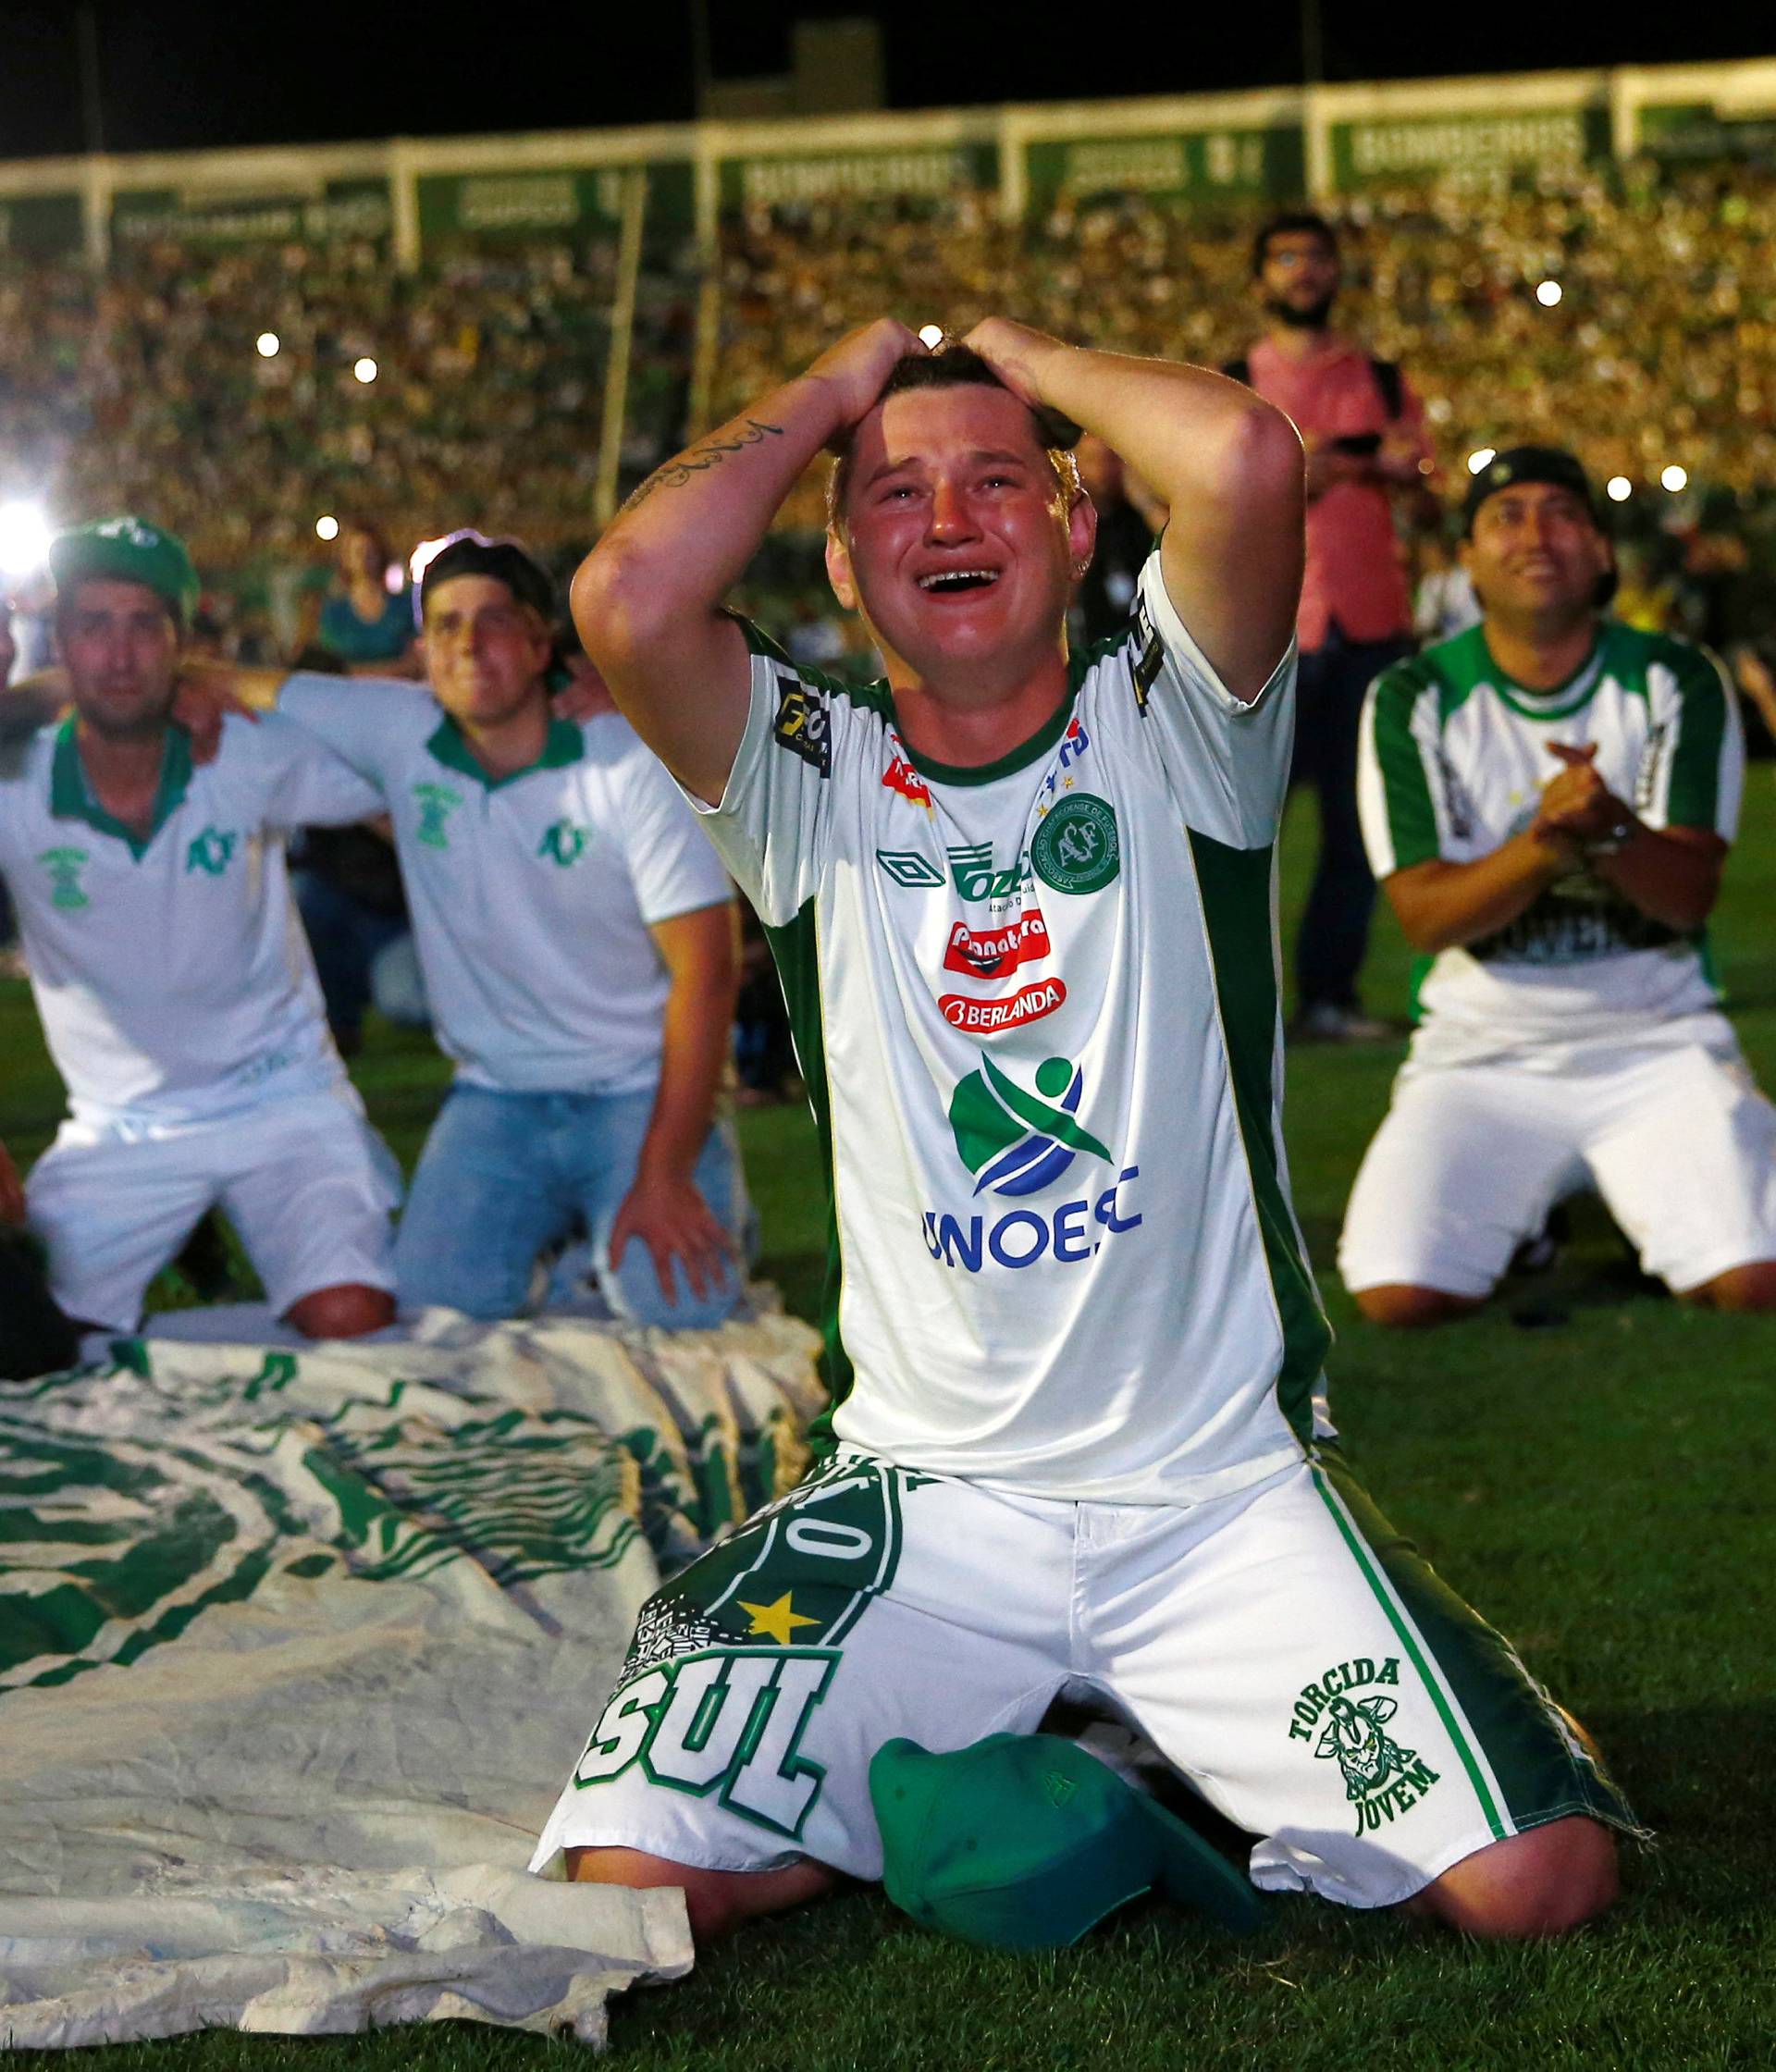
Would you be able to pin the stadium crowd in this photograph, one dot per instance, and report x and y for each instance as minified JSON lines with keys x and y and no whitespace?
{"x":1654,"y":276}
{"x":145,"y":389}
{"x":142,"y":388}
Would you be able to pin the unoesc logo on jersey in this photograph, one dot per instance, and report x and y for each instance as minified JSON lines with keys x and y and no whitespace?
{"x":1020,"y":1141}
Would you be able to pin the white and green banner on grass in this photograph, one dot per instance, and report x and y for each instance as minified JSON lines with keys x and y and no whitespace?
{"x":296,"y":1648}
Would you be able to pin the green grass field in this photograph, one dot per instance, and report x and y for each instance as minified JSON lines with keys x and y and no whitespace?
{"x":1599,"y":1485}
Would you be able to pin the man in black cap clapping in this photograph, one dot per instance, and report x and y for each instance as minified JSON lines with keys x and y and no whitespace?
{"x":1548,"y":800}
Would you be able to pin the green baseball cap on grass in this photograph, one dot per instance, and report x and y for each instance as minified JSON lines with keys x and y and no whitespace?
{"x":1024,"y":1841}
{"x":127,"y":551}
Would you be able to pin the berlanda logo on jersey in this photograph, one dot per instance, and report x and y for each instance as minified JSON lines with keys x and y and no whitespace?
{"x":1020,"y":1141}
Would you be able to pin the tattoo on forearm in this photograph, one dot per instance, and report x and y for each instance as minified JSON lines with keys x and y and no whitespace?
{"x":698,"y":460}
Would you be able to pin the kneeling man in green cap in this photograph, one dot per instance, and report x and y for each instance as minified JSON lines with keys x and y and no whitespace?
{"x":170,"y":970}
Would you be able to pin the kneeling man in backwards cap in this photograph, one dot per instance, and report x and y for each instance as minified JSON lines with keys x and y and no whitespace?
{"x":1548,"y":800}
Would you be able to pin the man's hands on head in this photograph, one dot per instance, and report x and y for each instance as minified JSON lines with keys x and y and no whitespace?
{"x":1225,"y":464}
{"x":856,"y":369}
{"x":1018,"y":353}
{"x":649,"y":599}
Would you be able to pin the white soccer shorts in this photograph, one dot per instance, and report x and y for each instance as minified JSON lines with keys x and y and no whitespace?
{"x":1470,"y":1158}
{"x":1282,"y":1647}
{"x":306,"y":1182}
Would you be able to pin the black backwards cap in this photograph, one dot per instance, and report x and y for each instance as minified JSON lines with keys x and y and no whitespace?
{"x":1529,"y":464}
{"x":469,"y":552}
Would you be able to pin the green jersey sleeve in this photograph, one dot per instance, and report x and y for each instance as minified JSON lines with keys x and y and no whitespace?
{"x":1693,"y":770}
{"x":1397,"y":769}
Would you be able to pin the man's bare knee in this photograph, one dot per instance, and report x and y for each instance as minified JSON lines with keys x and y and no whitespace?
{"x":717,"y":1901}
{"x":1546,"y":1881}
{"x":1750,"y":1286}
{"x":1408,"y":1308}
{"x":346,"y":1312}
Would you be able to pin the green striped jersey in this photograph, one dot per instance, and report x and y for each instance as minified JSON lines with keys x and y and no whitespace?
{"x":1036,"y":1005}
{"x":1453,"y":760}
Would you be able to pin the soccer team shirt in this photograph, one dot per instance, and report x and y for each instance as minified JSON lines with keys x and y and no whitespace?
{"x":1454,"y":757}
{"x":531,"y":895}
{"x":171,"y":974}
{"x":1036,"y":1007}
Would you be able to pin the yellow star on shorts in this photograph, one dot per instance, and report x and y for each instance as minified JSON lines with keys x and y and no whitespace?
{"x":775,"y":1620}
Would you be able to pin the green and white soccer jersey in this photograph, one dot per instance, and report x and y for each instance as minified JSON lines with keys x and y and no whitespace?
{"x":171,"y":972}
{"x":1036,"y":1005}
{"x":531,"y":895}
{"x":1454,"y":756}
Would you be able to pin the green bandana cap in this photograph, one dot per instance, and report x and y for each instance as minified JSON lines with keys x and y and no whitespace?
{"x":1024,"y":1841}
{"x":127,"y":551}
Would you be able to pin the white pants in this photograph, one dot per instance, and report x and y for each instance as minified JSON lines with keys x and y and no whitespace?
{"x":305,"y":1181}
{"x":1282,"y":1647}
{"x":1679,"y":1142}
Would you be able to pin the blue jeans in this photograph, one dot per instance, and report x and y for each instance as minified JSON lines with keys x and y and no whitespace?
{"x":502,"y":1174}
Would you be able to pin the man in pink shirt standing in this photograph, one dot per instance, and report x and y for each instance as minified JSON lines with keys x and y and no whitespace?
{"x":1364,"y":431}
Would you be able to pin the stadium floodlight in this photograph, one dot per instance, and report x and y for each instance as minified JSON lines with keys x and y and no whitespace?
{"x":326,"y":527}
{"x":1548,"y":293}
{"x":1481,"y":457}
{"x":1674,"y":477}
{"x":267,"y":344}
{"x":365,"y":370}
{"x":25,"y":535}
{"x":931,"y":335}
{"x":1619,"y":488}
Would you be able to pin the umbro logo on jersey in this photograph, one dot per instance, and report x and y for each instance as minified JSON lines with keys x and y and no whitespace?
{"x":64,"y":867}
{"x":900,"y":776}
{"x":803,"y":724}
{"x":907,"y":867}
